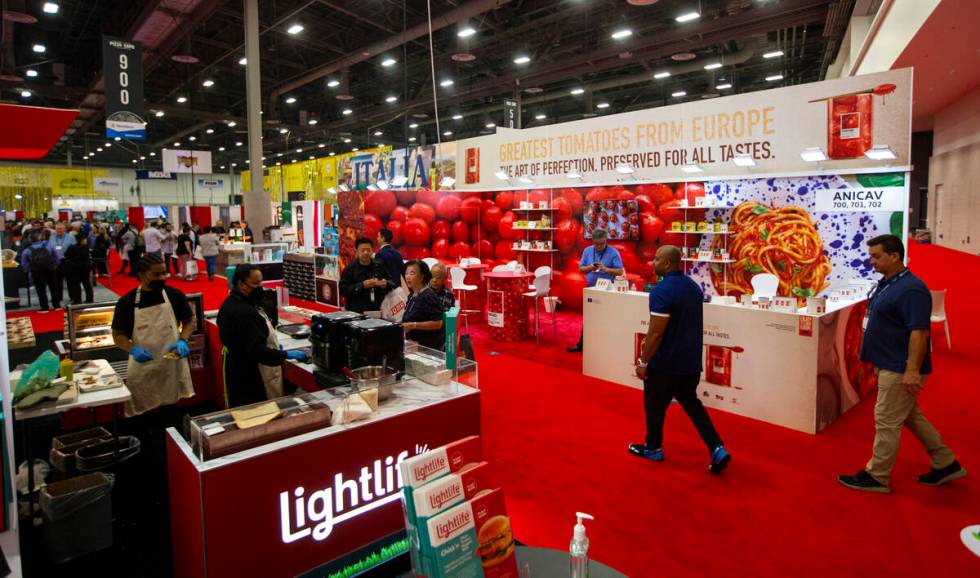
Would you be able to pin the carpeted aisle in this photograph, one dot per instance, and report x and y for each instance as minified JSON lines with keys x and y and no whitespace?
{"x":558,"y":442}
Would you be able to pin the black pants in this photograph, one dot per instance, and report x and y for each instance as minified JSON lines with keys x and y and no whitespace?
{"x":44,"y":283}
{"x":169,"y":263}
{"x":134,"y":261}
{"x":100,"y":265}
{"x":658,"y":390}
{"x":77,"y":280}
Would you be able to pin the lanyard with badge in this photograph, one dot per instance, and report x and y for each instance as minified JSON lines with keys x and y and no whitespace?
{"x":877,"y":292}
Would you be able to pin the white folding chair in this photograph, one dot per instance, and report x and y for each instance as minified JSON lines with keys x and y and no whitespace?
{"x":458,"y":278}
{"x":512,"y":265}
{"x":430,"y":261}
{"x":540,"y":290}
{"x":939,"y":313}
{"x":500,"y":268}
{"x":542,"y":270}
{"x":765,"y":285}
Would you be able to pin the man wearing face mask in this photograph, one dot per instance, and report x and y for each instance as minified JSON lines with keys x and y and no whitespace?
{"x":252,"y":357}
{"x":153,"y":323}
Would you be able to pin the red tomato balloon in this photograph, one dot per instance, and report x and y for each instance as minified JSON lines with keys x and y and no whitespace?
{"x":469,"y":210}
{"x":519,"y":196}
{"x":563,"y":208}
{"x":491,"y":218}
{"x":396,"y":231}
{"x":504,"y":200}
{"x":428,"y":197}
{"x":440,"y":248}
{"x":504,"y":251}
{"x":422,"y":211}
{"x":460,"y":232}
{"x":646,"y":205}
{"x":379,"y":203}
{"x":441,"y":230}
{"x":494,"y":237}
{"x":405,"y":197}
{"x":574,"y":198}
{"x":646,"y":251}
{"x":570,"y":290}
{"x":485,"y":205}
{"x":567,"y":234}
{"x":600,"y":194}
{"x":658,"y":193}
{"x":416,"y":232}
{"x":689,"y":191}
{"x":505,"y":228}
{"x":476,"y":233}
{"x":538,"y":195}
{"x":675,"y":239}
{"x":399,"y":213}
{"x":448,"y":207}
{"x":670,"y":213}
{"x":372,"y":224}
{"x":625,"y":195}
{"x":645,"y":270}
{"x":459,"y":250}
{"x":651,"y":227}
{"x":483,"y":249}
{"x":415,"y":252}
{"x":627,"y":252}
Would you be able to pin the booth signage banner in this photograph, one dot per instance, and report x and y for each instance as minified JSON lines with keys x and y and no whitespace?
{"x":210,"y":184}
{"x":186,"y":161}
{"x":861,"y":200}
{"x":155,"y":175}
{"x":843,"y":118}
{"x":122,"y":66}
{"x":107,"y":185}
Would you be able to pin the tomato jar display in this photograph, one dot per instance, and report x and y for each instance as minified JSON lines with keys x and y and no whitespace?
{"x":849,"y":125}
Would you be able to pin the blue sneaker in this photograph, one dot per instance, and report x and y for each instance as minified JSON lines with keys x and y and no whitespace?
{"x":719,"y":459}
{"x":642,"y":451}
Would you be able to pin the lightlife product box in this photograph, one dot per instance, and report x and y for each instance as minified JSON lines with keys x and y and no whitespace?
{"x":444,"y":493}
{"x":472,"y":539}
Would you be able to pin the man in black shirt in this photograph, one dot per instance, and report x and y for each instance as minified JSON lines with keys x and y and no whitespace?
{"x":364,"y":282}
{"x":438,"y":284}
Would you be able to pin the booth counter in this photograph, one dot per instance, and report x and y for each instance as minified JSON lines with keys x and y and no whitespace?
{"x":796,"y":370}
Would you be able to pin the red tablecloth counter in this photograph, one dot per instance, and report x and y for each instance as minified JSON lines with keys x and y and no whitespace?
{"x":506,"y":307}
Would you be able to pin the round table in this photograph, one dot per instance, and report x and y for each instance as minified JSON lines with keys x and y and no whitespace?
{"x":506,"y":308}
{"x":545,"y":562}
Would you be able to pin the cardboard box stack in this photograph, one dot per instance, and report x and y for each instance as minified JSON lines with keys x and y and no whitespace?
{"x":457,"y":522}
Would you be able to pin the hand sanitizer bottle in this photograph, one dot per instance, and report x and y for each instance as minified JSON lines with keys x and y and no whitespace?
{"x":578,"y":551}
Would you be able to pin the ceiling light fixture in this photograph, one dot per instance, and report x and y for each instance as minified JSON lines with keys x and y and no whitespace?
{"x":391,"y":99}
{"x":181,"y":99}
{"x":239,"y":143}
{"x":295,"y":29}
{"x":39,"y":48}
{"x":661,"y":75}
{"x":774,"y":78}
{"x":159,"y":114}
{"x":602,"y":105}
{"x":412,"y":139}
{"x":291,"y":100}
{"x":176,"y":144}
{"x":320,"y":146}
{"x":378,"y":133}
{"x":466,"y":32}
{"x":725,"y":86}
{"x":311,"y":122}
{"x":207,"y":83}
{"x":413,"y":125}
{"x":691,"y":169}
{"x":231,"y":124}
{"x":522,"y":59}
{"x":457,"y":116}
{"x":773,"y":54}
{"x":577,"y":91}
{"x":152,"y":154}
{"x":687,"y":17}
{"x":540,"y":116}
{"x":447,"y":82}
{"x":98,"y":150}
{"x":31,"y":73}
{"x":50,"y":7}
{"x":220,"y":149}
{"x":388,"y":62}
{"x":347,"y":111}
{"x":243,"y":61}
{"x":447,"y":133}
{"x":490,"y":125}
{"x":210,"y":131}
{"x":333,"y":83}
{"x":346,"y":141}
{"x":743,"y":160}
{"x":620,"y":34}
{"x":813,"y":155}
{"x":354,"y":149}
{"x":299,"y":150}
{"x":712,"y":66}
{"x":192,"y":139}
{"x":678,"y":94}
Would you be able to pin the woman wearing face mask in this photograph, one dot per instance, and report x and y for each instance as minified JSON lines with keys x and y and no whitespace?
{"x":153,"y":323}
{"x":252,"y":358}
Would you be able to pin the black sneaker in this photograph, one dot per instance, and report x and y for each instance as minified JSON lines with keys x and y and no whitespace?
{"x":865,"y":482}
{"x":939,"y":477}
{"x":575,"y":348}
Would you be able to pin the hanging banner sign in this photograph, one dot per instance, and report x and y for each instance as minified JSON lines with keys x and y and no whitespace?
{"x":122,"y":66}
{"x":155,"y":175}
{"x":107,"y":185}
{"x":860,"y":200}
{"x":185,"y":161}
{"x":210,"y":184}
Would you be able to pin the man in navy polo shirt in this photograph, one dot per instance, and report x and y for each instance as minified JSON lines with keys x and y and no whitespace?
{"x":896,"y":342}
{"x":600,"y":261}
{"x":670,"y":361}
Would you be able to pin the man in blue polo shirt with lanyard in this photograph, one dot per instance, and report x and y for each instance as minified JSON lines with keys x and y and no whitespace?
{"x":670,"y":360}
{"x":896,"y":343}
{"x":600,"y":261}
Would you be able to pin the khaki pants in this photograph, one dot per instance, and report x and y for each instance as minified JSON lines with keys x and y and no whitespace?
{"x":897,"y":407}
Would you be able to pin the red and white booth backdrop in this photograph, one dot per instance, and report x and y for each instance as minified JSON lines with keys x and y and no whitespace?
{"x":450,"y":225}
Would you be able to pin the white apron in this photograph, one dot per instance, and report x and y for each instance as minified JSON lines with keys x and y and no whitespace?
{"x":271,"y":374}
{"x":160,"y":381}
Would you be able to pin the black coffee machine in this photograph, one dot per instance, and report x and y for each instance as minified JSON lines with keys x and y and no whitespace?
{"x":376,"y":342}
{"x":330,"y":339}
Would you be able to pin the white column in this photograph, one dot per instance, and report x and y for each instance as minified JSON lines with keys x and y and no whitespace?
{"x":258,"y":210}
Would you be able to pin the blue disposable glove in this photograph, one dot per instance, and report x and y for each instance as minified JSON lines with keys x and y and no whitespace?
{"x":297,"y":355}
{"x":181,"y":347}
{"x":140,"y":354}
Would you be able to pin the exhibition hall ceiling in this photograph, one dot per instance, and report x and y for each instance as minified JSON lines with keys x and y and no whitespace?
{"x":357,"y":74}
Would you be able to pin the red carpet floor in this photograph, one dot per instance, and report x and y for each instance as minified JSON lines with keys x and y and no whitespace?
{"x":558,"y":442}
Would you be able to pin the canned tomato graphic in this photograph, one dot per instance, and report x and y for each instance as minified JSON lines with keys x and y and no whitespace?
{"x":849,"y":125}
{"x":472,"y":165}
{"x":718,"y":365}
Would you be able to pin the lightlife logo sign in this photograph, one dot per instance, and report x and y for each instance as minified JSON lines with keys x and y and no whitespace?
{"x":316,"y":514}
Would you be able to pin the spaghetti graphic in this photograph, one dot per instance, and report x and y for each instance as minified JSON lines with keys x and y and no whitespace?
{"x":781,"y":241}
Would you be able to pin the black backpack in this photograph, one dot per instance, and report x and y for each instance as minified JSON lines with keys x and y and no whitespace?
{"x":41,"y":259}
